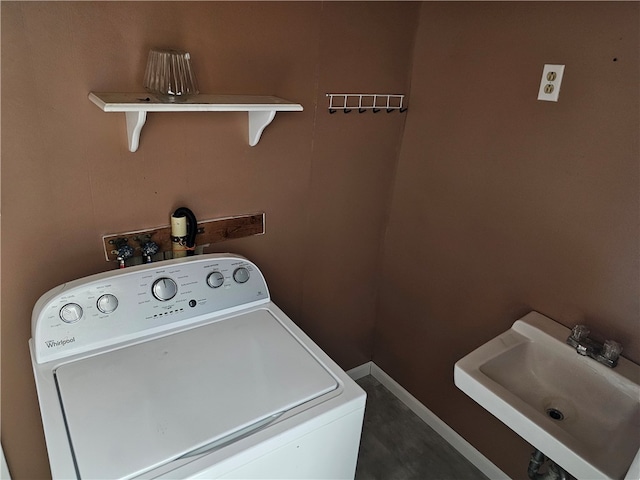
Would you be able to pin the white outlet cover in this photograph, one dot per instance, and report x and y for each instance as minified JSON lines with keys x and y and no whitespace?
{"x":550,"y":88}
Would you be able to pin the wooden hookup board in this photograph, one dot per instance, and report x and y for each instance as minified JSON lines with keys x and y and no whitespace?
{"x":209,"y":231}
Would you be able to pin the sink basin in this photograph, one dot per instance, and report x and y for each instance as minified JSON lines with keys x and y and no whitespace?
{"x":582,"y":415}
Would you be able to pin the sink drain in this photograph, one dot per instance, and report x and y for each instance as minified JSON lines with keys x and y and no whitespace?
{"x":555,"y":414}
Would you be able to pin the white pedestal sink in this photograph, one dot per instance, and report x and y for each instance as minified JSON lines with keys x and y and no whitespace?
{"x":581,"y":414}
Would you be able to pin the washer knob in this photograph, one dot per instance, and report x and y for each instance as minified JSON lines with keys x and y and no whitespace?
{"x":107,"y":303}
{"x":71,"y":313}
{"x":215,"y":279}
{"x":241,"y":275}
{"x":164,"y":289}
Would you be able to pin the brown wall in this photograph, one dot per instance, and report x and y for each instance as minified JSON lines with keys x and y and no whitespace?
{"x":503,"y":204}
{"x":323,"y":180}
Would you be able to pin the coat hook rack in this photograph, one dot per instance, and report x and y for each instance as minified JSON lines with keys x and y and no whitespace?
{"x":366,"y":101}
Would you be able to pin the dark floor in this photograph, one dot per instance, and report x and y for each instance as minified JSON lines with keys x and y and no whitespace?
{"x":397,"y":445}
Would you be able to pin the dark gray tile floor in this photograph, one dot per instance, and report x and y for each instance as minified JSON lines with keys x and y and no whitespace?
{"x":397,"y":445}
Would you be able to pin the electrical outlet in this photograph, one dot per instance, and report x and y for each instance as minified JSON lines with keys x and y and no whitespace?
{"x":550,"y":83}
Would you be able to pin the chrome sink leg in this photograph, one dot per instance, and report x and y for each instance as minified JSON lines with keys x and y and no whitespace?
{"x":554,"y":471}
{"x":537,"y":459}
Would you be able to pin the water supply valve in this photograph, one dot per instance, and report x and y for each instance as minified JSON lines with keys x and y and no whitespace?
{"x":149,"y":249}
{"x":123,"y":250}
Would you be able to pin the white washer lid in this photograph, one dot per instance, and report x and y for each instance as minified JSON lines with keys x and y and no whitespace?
{"x":136,"y":408}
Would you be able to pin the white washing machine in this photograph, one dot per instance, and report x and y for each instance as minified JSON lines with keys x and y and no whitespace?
{"x":187,"y":369}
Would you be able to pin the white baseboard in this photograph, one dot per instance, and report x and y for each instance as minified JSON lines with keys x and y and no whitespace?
{"x":445,"y":431}
{"x":362,"y":371}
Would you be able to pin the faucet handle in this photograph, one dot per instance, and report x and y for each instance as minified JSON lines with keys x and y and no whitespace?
{"x":611,"y":350}
{"x":149,"y":249}
{"x":124,"y":251}
{"x":580,"y":332}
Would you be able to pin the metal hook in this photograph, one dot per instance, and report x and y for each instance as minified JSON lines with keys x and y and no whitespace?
{"x":374,"y":102}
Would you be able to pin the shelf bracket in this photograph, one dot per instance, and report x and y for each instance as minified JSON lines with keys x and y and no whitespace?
{"x":258,"y":121}
{"x":135,"y":122}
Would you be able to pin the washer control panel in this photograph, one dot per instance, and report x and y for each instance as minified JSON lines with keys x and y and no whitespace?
{"x":112,"y":307}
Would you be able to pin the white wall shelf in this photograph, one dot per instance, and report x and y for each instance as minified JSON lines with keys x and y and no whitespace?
{"x":261,"y":109}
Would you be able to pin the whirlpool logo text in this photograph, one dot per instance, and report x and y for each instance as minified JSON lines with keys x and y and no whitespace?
{"x":59,"y":343}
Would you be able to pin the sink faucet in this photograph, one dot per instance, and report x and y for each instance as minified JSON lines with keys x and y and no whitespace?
{"x":606,"y":353}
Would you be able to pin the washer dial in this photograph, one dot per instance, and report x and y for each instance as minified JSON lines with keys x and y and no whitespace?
{"x":107,"y":303}
{"x":164,"y":289}
{"x":241,"y":274}
{"x":215,"y":279}
{"x":71,"y":313}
